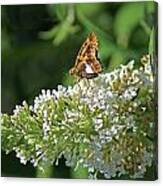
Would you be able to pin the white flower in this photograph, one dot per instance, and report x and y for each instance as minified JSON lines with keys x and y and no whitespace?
{"x":23,"y":160}
{"x":98,"y":123}
{"x":45,"y":114}
{"x":98,"y":114}
{"x":17,"y":110}
{"x":130,"y":93}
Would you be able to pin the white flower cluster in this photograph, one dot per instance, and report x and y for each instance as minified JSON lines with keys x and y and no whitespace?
{"x":99,"y":122}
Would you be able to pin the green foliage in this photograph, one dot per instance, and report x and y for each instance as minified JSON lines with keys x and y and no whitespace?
{"x":95,"y":124}
{"x":59,"y":33}
{"x":152,"y":43}
{"x":126,"y":20}
{"x":121,"y":26}
{"x":38,"y":52}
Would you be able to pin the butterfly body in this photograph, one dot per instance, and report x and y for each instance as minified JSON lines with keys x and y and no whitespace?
{"x":87,"y":64}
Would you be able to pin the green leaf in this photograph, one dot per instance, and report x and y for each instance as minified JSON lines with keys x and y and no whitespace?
{"x":150,"y":7}
{"x":152,"y":43}
{"x":64,"y":28}
{"x":90,"y":9}
{"x":57,"y":10}
{"x":61,"y":10}
{"x":79,"y":173}
{"x":107,"y":47}
{"x":127,"y":19}
{"x":116,"y":59}
{"x":44,"y":171}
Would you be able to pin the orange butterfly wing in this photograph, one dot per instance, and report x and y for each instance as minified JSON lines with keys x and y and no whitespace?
{"x":87,"y":59}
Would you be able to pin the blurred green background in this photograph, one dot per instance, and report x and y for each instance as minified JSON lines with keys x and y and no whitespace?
{"x":39,"y":44}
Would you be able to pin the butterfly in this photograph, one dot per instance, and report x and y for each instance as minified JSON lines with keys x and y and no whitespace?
{"x":87,"y":64}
